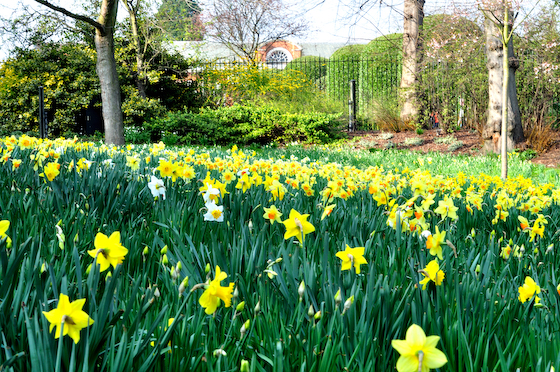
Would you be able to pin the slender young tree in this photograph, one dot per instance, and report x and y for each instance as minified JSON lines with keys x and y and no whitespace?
{"x":105,"y":65}
{"x":503,"y":128}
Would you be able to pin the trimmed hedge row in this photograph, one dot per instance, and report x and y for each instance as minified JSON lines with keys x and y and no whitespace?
{"x":238,"y":124}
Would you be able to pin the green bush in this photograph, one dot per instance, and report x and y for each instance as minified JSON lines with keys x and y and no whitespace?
{"x":242,"y":125}
{"x":136,"y":110}
{"x":380,"y":69}
{"x":67,"y":73}
{"x":312,"y":66}
{"x":344,"y":66}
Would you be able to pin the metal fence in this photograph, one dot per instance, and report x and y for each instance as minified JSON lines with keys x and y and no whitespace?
{"x":457,"y":91}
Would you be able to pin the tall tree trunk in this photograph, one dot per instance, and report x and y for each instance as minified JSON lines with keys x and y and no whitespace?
{"x":491,"y":132}
{"x":106,"y":66}
{"x":412,"y":54}
{"x":108,"y":77}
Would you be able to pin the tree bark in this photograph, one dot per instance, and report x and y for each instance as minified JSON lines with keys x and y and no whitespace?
{"x":106,"y":67}
{"x":412,"y":54}
{"x":491,"y":132}
{"x":108,"y":77}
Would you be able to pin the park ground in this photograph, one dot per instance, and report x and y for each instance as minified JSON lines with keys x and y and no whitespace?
{"x":471,"y":144}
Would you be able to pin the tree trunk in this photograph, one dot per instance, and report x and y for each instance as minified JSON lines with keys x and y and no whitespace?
{"x":412,"y":54}
{"x":491,"y":132}
{"x":108,"y":77}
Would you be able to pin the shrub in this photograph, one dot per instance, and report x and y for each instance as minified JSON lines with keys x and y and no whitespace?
{"x":242,"y":125}
{"x":312,"y":66}
{"x":380,"y":69}
{"x":413,"y":141}
{"x":385,"y":115}
{"x":344,"y":66}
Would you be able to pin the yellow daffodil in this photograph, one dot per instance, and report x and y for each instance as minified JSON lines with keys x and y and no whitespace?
{"x":15,"y":164}
{"x":50,"y":171}
{"x":418,"y":352}
{"x":328,"y":210}
{"x":524,"y":224}
{"x":69,"y":316}
{"x":108,"y":250}
{"x":277,"y":190}
{"x":297,"y":225}
{"x":214,"y":293}
{"x":133,"y":162}
{"x":528,"y":290}
{"x":432,"y":272}
{"x":434,"y":242}
{"x":446,"y":208}
{"x":243,"y":183}
{"x":352,"y":257}
{"x":4,"y":225}
{"x":272,"y":214}
{"x":166,"y":168}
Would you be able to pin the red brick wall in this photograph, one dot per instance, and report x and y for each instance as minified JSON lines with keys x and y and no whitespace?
{"x":293,"y":49}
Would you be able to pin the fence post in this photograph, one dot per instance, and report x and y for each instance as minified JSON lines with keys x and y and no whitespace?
{"x":352,"y":107}
{"x":42,"y":114}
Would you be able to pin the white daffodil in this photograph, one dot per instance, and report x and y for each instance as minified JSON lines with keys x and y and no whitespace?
{"x":211,"y":194}
{"x":157,"y":187}
{"x":214,"y":213}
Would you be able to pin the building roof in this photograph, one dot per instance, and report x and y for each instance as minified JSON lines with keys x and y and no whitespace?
{"x":211,"y":50}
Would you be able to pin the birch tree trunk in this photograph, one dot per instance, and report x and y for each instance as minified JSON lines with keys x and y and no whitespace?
{"x":491,"y":132}
{"x":108,"y":77}
{"x":412,"y":54}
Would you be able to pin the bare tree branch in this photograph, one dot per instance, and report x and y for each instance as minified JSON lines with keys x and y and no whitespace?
{"x":79,"y":17}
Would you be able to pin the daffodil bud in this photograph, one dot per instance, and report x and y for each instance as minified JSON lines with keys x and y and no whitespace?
{"x":163,"y":250}
{"x":88,"y":269}
{"x":348,"y":303}
{"x":43,"y":268}
{"x":173,"y":273}
{"x":311,"y":311}
{"x":549,"y":248}
{"x":245,"y":366}
{"x":240,"y":306}
{"x":76,"y":239}
{"x":477,"y":269}
{"x":207,"y":268}
{"x":245,"y":327}
{"x":156,"y":293}
{"x":337,"y":297}
{"x":108,"y":276}
{"x":317,"y":315}
{"x":235,"y":293}
{"x":183,"y":286}
{"x":257,"y":308}
{"x":301,"y":290}
{"x":219,"y":353}
{"x":179,"y":266}
{"x":164,"y":260}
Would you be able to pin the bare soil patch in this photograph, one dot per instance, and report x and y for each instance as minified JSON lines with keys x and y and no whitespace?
{"x":433,"y":141}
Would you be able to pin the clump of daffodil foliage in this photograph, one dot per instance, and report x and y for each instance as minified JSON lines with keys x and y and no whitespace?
{"x":156,"y":258}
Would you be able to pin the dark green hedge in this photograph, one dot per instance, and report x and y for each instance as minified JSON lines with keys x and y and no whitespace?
{"x":238,"y":125}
